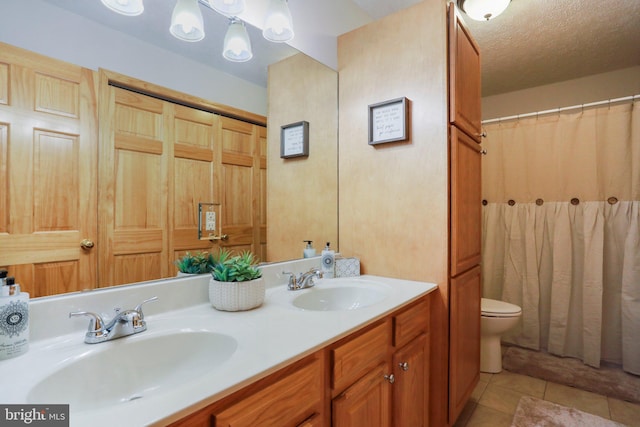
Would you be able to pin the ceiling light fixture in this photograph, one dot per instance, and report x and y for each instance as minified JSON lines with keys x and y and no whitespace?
{"x":237,"y":46}
{"x":483,"y":10}
{"x":186,"y":21}
{"x":227,"y":7}
{"x":125,"y":7}
{"x":278,"y":25}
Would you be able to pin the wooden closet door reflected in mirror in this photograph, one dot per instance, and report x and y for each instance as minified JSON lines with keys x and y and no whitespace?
{"x":159,"y":160}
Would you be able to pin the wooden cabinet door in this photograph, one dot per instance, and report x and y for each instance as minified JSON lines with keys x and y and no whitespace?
{"x":464,"y":345}
{"x":466,"y":210}
{"x":48,"y":170}
{"x":464,"y":77}
{"x":411,"y":387}
{"x":289,"y":402}
{"x":366,"y":403}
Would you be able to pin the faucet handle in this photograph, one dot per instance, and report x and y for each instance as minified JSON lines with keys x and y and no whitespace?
{"x":96,"y":324}
{"x":139,"y":306}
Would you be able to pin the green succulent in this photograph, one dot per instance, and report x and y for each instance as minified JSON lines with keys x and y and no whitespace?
{"x":240,"y":268}
{"x":200,"y":263}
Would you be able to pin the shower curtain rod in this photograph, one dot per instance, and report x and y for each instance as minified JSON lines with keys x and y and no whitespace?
{"x":561,"y":109}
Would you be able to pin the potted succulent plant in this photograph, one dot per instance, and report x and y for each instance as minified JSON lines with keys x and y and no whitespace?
{"x":200,"y":263}
{"x":236,"y":283}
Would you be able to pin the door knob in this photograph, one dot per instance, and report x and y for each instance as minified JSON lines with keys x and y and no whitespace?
{"x":86,"y":244}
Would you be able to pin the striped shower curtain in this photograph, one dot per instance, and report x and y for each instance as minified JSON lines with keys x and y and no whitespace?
{"x":561,"y":231}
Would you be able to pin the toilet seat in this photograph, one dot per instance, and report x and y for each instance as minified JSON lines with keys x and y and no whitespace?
{"x":495,"y":308}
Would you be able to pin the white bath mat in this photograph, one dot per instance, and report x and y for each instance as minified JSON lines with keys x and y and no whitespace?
{"x":533,"y":412}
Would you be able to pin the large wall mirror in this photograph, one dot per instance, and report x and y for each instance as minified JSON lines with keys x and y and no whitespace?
{"x":298,"y":197}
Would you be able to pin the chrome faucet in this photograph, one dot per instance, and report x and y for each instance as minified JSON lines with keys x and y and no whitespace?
{"x":304,"y":280}
{"x":127,"y":322}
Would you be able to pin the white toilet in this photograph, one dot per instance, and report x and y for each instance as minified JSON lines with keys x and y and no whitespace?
{"x":497,"y":318}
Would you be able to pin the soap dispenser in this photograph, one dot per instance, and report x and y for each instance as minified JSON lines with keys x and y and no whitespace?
{"x":14,"y":320}
{"x":328,"y":262}
{"x":309,"y":250}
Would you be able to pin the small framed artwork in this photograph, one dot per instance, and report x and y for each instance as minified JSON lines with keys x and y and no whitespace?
{"x":294,"y":140}
{"x":389,"y":121}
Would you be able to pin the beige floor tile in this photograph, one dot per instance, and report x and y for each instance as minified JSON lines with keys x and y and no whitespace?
{"x":477,"y":392}
{"x":583,"y":400}
{"x":484,"y":416}
{"x":486,"y":377}
{"x":520,"y":383}
{"x":624,"y":412}
{"x":500,"y":398}
{"x":466,"y":413}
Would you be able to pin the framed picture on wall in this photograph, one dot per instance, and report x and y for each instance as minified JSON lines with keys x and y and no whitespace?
{"x":294,"y":140}
{"x":389,"y":121}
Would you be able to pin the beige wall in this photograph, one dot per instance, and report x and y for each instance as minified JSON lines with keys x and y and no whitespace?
{"x":302,"y":192}
{"x":393,"y":197}
{"x":599,"y":87}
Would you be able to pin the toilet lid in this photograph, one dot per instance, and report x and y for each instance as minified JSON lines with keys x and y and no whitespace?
{"x":492,"y":307}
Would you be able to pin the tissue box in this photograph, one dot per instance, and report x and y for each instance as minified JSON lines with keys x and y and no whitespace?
{"x":347,"y":267}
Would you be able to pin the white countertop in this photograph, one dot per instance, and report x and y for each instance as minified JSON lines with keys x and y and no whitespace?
{"x":269,"y":338}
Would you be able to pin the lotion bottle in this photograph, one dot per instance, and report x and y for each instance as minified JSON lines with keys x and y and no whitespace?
{"x":328,"y":262}
{"x":14,"y":320}
{"x":309,"y":250}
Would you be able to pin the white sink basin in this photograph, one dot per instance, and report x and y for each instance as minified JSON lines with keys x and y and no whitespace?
{"x":340,"y":294}
{"x":132,"y":368}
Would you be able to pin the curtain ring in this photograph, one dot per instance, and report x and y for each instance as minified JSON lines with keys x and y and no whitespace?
{"x":539,"y":202}
{"x":484,"y":202}
{"x":511,"y":202}
{"x":612,"y":200}
{"x":575,"y":201}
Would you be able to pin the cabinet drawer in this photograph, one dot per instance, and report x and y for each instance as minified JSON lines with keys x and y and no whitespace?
{"x":287,"y":402}
{"x":355,"y":357}
{"x":411,"y":322}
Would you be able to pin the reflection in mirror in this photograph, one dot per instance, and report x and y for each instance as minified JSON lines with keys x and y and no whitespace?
{"x":64,"y":152}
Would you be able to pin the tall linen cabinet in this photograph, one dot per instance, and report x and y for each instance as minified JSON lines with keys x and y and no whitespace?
{"x":407,"y":208}
{"x":465,"y":213}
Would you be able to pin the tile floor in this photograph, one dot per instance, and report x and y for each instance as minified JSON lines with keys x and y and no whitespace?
{"x":496,"y":397}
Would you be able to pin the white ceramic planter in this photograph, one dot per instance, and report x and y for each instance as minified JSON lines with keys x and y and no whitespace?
{"x":236,"y":296}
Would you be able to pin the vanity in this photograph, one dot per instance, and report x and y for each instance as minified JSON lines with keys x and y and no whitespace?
{"x":288,"y":362}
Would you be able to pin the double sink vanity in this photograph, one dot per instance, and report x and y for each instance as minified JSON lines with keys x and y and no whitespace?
{"x":193,"y":362}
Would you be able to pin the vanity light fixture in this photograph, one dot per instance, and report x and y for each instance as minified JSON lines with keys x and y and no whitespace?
{"x":125,"y":7}
{"x":227,"y":7}
{"x":237,"y":46}
{"x":186,"y":21}
{"x":483,"y":10}
{"x":278,"y":25}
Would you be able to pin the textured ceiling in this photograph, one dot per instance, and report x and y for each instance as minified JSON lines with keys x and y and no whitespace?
{"x":534,"y":42}
{"x":537,"y":42}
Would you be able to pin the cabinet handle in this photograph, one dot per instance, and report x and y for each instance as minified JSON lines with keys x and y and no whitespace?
{"x":483,"y":151}
{"x":391,"y":378}
{"x":482,"y":134}
{"x":404,"y":366}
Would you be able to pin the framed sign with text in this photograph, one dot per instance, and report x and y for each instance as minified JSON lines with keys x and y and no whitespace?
{"x":389,"y":121}
{"x":294,"y":140}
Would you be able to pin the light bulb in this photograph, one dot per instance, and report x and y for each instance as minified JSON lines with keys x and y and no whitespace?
{"x":125,"y":7}
{"x":186,"y":21}
{"x":278,"y":26}
{"x":237,"y":46}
